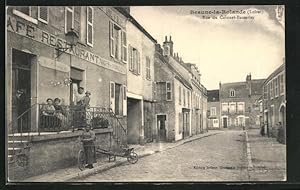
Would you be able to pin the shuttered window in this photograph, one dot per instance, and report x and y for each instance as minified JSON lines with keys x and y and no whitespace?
{"x":118,"y":42}
{"x":43,"y":14}
{"x":130,"y":58}
{"x":148,"y":74}
{"x":69,"y":19}
{"x":124,"y":47}
{"x":77,"y":15}
{"x":168,"y":91}
{"x":90,"y":27}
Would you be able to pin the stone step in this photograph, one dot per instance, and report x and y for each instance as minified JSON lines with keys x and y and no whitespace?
{"x":17,"y":144}
{"x":13,"y":151}
{"x":10,"y":158}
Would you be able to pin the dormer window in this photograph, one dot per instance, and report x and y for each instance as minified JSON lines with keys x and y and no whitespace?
{"x":232,"y":93}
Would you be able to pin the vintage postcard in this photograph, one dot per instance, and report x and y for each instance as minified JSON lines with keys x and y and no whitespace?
{"x":145,"y":93}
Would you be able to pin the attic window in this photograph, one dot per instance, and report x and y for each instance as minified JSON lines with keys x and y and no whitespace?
{"x":232,"y":93}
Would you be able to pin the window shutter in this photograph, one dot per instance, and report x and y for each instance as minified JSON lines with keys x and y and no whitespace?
{"x":111,"y":39}
{"x":43,"y":14}
{"x":124,"y":47}
{"x":69,"y":18}
{"x":130,"y":58}
{"x":112,"y":96}
{"x":90,"y":26}
{"x":124,"y":100}
{"x":138,"y":63}
{"x":77,"y":12}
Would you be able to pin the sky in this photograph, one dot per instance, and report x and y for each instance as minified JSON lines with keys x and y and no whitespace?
{"x":224,"y":50}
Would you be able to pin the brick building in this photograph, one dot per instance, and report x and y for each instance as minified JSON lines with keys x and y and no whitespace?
{"x":274,"y":101}
{"x":238,"y":103}
{"x":213,"y":109}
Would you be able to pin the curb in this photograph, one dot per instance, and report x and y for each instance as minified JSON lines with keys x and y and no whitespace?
{"x":100,"y":169}
{"x":250,"y":164}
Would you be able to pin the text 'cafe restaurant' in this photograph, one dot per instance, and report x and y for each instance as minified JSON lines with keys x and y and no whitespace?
{"x":41,"y":65}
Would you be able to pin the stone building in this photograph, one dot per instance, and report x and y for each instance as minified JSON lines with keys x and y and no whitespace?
{"x":140,"y":77}
{"x":237,"y":101}
{"x":274,"y":101}
{"x":40,"y":64}
{"x":213,"y":109}
{"x":198,"y":94}
{"x":180,"y":105}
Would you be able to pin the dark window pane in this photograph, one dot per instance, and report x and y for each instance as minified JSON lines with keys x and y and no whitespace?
{"x":90,"y":34}
{"x":44,"y":13}
{"x":24,"y":10}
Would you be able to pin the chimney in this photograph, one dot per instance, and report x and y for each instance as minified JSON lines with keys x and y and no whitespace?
{"x":248,"y":80}
{"x":220,"y":85}
{"x":168,"y":44}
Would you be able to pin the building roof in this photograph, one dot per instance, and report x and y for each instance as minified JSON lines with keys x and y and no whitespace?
{"x":173,"y":70}
{"x":135,"y":22}
{"x":213,"y":96}
{"x":274,"y":73}
{"x":242,"y":89}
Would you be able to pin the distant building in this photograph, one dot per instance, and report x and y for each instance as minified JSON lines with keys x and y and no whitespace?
{"x":213,"y":109}
{"x":274,"y":101}
{"x":238,"y":103}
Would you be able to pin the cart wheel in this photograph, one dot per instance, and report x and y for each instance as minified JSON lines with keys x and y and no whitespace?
{"x":81,"y":160}
{"x":132,"y":158}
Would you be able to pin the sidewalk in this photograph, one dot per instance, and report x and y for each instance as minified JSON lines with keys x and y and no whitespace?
{"x":268,"y":158}
{"x":71,"y":173}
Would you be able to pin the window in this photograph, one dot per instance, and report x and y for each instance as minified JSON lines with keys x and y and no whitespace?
{"x":276,"y":90}
{"x":179,"y":95}
{"x":43,"y":14}
{"x":134,"y":61}
{"x":169,"y":91}
{"x":281,"y":84}
{"x":271,"y":90}
{"x":183,"y":97}
{"x":232,"y":93}
{"x":24,"y":9}
{"x":265,"y":92}
{"x":213,"y":111}
{"x":224,"y":107}
{"x":117,"y":42}
{"x":188,"y":98}
{"x":25,"y":13}
{"x":69,"y":18}
{"x":117,"y":98}
{"x":89,"y":26}
{"x":241,"y":107}
{"x":232,"y":107}
{"x":148,"y":75}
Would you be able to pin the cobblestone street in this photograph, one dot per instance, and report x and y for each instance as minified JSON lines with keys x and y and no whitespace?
{"x":221,"y":157}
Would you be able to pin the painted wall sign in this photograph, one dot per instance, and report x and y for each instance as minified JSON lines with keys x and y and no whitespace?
{"x":50,"y":63}
{"x":24,"y":29}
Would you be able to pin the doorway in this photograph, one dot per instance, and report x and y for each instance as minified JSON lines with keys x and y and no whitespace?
{"x":161,"y":127}
{"x":225,"y":122}
{"x":21,"y":90}
{"x":186,"y":124}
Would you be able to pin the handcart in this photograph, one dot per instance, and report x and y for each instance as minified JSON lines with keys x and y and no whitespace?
{"x":132,"y":157}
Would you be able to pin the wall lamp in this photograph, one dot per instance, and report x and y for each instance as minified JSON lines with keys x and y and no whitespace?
{"x":72,"y":40}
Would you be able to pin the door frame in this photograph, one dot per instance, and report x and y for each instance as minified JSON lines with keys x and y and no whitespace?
{"x":166,"y":125}
{"x":225,"y":116}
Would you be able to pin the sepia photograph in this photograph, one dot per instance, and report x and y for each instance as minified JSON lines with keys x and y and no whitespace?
{"x":145,"y":93}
